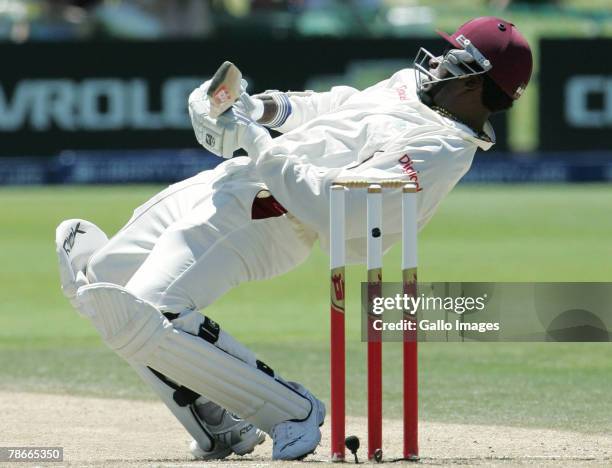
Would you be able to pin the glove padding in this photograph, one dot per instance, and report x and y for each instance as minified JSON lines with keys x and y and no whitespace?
{"x":249,"y":106}
{"x":227,"y":133}
{"x":222,"y":136}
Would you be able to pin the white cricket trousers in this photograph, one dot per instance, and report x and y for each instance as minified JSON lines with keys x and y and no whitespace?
{"x":195,"y":240}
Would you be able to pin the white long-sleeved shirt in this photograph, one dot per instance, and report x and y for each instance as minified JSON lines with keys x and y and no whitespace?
{"x":382,"y":132}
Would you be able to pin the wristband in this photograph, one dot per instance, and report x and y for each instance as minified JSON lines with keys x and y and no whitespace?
{"x":283,"y":110}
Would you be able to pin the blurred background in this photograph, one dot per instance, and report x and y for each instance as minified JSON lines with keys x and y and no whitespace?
{"x":93,"y":122}
{"x":93,"y":91}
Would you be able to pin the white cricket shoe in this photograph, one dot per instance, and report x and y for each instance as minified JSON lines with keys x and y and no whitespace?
{"x":294,"y":440}
{"x":230,"y":433}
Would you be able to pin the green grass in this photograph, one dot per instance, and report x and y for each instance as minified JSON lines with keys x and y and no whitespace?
{"x":484,"y":233}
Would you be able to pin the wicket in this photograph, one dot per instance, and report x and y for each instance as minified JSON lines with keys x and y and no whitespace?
{"x":374,"y":350}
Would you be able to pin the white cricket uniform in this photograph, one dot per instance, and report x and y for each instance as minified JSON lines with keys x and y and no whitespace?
{"x":197,"y":239}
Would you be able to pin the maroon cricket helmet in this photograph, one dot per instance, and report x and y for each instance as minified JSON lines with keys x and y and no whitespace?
{"x":503,"y":45}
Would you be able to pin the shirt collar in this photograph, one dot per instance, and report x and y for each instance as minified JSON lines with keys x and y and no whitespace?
{"x":485,"y":140}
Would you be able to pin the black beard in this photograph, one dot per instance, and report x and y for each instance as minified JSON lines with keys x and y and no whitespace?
{"x":427,"y":95}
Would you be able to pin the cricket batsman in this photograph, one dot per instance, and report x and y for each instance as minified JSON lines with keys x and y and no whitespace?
{"x":258,"y":216}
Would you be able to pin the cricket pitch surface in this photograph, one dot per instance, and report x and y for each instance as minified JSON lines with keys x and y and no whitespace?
{"x":114,"y":432}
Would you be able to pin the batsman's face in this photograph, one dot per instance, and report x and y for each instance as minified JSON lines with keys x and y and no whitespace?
{"x":437,"y":73}
{"x":432,"y":70}
{"x":435,"y":69}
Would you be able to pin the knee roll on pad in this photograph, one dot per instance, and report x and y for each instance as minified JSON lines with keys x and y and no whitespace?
{"x":125,"y":323}
{"x":138,"y":332}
